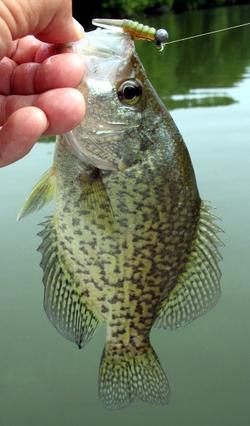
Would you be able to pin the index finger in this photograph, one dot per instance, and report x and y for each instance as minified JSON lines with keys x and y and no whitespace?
{"x":64,"y":70}
{"x":30,"y":49}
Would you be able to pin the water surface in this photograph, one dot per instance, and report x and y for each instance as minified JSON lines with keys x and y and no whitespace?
{"x":44,"y":379}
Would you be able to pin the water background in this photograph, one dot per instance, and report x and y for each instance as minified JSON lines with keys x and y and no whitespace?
{"x":44,"y":379}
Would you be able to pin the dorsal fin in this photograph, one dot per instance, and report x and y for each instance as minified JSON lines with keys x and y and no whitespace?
{"x":63,"y":302}
{"x":197,"y":289}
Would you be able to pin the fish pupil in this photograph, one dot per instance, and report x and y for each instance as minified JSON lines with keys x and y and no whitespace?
{"x":130,"y":92}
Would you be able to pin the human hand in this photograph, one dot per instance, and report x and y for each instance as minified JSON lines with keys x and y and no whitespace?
{"x":37,"y":86}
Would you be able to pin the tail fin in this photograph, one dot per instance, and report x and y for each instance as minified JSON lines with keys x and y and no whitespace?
{"x":127,"y":374}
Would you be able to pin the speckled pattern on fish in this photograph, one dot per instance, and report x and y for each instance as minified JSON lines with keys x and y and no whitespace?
{"x":130,"y":242}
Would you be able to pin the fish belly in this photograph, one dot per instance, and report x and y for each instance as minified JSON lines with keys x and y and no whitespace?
{"x":125,"y":249}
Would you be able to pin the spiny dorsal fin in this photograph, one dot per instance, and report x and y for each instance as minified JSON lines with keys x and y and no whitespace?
{"x":197,"y":289}
{"x":63,"y":303}
{"x":41,"y":194}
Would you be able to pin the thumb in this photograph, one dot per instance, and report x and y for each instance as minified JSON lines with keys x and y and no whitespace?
{"x":49,"y":20}
{"x":61,"y":30}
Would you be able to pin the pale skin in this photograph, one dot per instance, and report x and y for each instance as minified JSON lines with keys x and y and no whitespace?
{"x":38,"y":94}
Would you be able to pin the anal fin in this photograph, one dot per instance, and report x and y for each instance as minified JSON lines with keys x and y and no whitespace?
{"x":63,"y":303}
{"x":198,"y":287}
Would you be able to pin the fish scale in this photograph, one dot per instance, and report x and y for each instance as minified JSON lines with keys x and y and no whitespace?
{"x":144,"y":265}
{"x":130,"y":243}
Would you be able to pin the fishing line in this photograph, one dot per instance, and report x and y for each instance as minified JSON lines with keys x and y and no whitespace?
{"x":210,"y":32}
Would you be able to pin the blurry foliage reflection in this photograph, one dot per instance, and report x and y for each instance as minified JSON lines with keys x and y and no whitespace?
{"x":203,"y":102}
{"x":128,"y":8}
{"x":211,"y":62}
{"x":46,"y":139}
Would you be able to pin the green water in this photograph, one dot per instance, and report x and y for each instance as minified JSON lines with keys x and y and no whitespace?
{"x":45,"y":380}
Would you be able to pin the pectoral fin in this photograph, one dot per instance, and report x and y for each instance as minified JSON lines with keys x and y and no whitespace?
{"x":63,"y":302}
{"x":197,"y":288}
{"x":41,"y":194}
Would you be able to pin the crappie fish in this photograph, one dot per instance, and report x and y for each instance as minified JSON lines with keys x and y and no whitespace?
{"x":130,"y":242}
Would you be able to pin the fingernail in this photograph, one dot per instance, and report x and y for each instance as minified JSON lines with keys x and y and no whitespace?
{"x":79,"y":28}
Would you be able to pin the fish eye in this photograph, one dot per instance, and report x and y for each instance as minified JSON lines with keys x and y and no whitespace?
{"x":130,"y":92}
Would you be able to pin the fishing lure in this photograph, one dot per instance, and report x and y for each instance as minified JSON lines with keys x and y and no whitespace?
{"x":136,"y":30}
{"x":144,"y":32}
